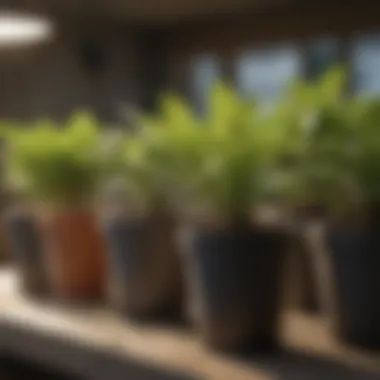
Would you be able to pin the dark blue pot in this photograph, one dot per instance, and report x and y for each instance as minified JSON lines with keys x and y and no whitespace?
{"x":234,"y":279}
{"x":355,"y":259}
{"x":144,"y":273}
{"x":25,"y":246}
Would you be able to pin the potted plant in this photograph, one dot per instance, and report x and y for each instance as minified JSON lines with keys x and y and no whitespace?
{"x":221,"y":168}
{"x":339,"y":168}
{"x":311,"y":111}
{"x":352,"y":234}
{"x":19,"y":224}
{"x":24,"y":244}
{"x":144,"y":272}
{"x":59,"y":170}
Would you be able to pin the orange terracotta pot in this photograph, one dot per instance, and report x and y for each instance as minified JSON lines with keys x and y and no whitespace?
{"x":74,"y":254}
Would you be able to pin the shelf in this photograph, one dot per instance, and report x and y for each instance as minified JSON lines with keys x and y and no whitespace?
{"x":96,"y":343}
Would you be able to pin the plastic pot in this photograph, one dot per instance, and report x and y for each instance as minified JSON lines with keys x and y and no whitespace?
{"x":234,"y":277}
{"x":355,"y":262}
{"x":24,"y":243}
{"x":144,"y":271}
{"x":74,"y":253}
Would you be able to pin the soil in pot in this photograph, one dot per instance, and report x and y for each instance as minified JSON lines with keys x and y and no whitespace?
{"x":145,"y":280}
{"x":24,"y":243}
{"x":234,"y":278}
{"x":74,"y":254}
{"x":355,"y":264}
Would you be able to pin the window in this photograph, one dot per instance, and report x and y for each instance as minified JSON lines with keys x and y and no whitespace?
{"x":204,"y":71}
{"x":365,"y":64}
{"x":265,"y":74}
{"x":322,"y":53}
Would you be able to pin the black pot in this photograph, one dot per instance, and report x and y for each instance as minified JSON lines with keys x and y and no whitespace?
{"x":24,"y":243}
{"x":144,"y":271}
{"x":234,"y":282}
{"x":355,"y":263}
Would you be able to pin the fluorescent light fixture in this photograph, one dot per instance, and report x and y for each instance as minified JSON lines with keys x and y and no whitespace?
{"x":23,"y":29}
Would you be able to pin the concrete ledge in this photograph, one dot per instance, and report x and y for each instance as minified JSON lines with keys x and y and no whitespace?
{"x":98,"y":345}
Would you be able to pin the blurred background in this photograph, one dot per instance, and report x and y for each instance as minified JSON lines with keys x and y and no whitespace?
{"x":106,"y":56}
{"x":114,"y":56}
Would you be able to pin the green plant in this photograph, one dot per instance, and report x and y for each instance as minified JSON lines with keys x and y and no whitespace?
{"x":135,"y":172}
{"x":57,"y":164}
{"x":321,"y":125}
{"x":365,"y":165}
{"x":140,"y":174}
{"x":335,"y":146}
{"x":343,"y":164}
{"x":223,"y":163}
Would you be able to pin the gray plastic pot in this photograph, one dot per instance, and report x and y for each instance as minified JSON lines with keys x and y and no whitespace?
{"x":24,"y":243}
{"x":145,"y":280}
{"x":234,"y":278}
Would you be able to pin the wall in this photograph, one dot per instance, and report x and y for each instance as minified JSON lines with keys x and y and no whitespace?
{"x":53,"y":79}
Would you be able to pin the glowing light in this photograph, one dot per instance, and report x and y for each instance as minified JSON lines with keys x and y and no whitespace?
{"x":23,"y":30}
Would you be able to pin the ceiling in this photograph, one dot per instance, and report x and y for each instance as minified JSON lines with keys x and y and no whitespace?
{"x":138,"y":11}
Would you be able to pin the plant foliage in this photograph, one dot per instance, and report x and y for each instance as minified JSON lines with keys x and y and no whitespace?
{"x":52,"y":163}
{"x":223,"y":162}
